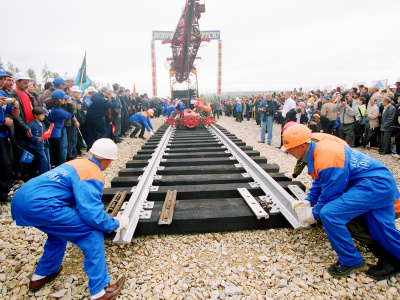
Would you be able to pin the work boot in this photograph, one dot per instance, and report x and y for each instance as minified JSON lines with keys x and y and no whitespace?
{"x":37,"y":284}
{"x":339,"y":270}
{"x":132,"y":136}
{"x":384,"y":269}
{"x":387,"y":265}
{"x":113,"y":290}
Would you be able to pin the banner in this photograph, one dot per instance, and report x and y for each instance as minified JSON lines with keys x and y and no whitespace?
{"x":167,"y":35}
{"x":381,"y":83}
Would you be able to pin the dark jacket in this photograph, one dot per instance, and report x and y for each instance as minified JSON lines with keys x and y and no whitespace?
{"x":388,"y":118}
{"x":99,"y":106}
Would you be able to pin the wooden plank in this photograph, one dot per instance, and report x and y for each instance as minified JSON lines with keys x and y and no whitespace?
{"x":168,"y":208}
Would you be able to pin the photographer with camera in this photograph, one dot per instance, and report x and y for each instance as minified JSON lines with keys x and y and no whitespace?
{"x":348,"y":110}
{"x":298,"y":114}
{"x":267,"y":111}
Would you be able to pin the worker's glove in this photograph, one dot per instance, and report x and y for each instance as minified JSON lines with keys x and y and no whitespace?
{"x":123,"y":222}
{"x":304,"y":213}
{"x":151,"y":133}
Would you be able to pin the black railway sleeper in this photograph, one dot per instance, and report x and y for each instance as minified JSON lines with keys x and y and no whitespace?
{"x":207,"y":215}
{"x":194,"y":155}
{"x":190,"y":192}
{"x":184,"y":145}
{"x":170,"y":180}
{"x":185,"y":150}
{"x":187,"y":170}
{"x":192,"y":162}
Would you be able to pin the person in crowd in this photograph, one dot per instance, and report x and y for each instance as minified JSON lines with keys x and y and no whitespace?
{"x":171,"y":110}
{"x":374,"y":91}
{"x":248,"y":109}
{"x":32,"y":89}
{"x":141,"y":121}
{"x":70,"y":80}
{"x":239,"y":110}
{"x":364,"y":93}
{"x":117,"y":115}
{"x":72,"y":127}
{"x":348,"y":109}
{"x":48,"y":86}
{"x":298,"y":114}
{"x":37,"y":141}
{"x":22,"y":132}
{"x":372,"y":114}
{"x":388,"y":122}
{"x":347,"y":184}
{"x":57,"y":115}
{"x":397,"y":137}
{"x":125,"y":113}
{"x":6,"y":166}
{"x":95,"y":115}
{"x":145,"y":102}
{"x":57,"y":84}
{"x":362,"y":108}
{"x":326,"y":111}
{"x":266,"y":110}
{"x":65,"y":203}
{"x":181,"y":105}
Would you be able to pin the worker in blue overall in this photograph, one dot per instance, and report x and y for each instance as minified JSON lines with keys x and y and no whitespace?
{"x":347,"y":184}
{"x":65,"y":203}
{"x":141,"y":121}
{"x":95,"y":116}
{"x":170,"y":110}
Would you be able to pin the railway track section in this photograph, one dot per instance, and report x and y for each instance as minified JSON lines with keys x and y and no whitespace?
{"x":197,"y":181}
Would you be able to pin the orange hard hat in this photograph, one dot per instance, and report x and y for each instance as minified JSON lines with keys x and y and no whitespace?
{"x":287,"y":125}
{"x":150,"y":112}
{"x":295,"y":135}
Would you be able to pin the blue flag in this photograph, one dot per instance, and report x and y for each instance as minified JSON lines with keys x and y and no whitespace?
{"x":26,"y":157}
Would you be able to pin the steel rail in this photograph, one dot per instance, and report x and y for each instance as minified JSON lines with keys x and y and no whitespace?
{"x":141,"y":191}
{"x":279,"y":196}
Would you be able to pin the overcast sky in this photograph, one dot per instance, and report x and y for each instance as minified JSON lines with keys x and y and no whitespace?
{"x":266,"y":45}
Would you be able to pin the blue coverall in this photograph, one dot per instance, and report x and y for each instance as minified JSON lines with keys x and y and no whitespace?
{"x":171,"y":109}
{"x":65,"y":203}
{"x":347,"y":184}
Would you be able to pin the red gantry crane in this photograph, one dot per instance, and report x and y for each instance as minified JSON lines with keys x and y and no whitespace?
{"x":185,"y":45}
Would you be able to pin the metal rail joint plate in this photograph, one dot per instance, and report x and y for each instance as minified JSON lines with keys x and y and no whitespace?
{"x":270,"y":187}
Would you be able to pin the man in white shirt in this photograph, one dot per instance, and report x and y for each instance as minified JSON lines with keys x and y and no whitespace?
{"x":289,"y":104}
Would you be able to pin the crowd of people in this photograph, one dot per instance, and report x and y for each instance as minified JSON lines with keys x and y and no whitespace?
{"x":362,"y":116}
{"x":55,"y":124}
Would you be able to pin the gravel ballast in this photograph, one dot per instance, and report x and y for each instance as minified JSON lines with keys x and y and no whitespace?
{"x":262,"y":264}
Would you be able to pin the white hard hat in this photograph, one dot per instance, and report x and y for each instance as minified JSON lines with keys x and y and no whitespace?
{"x":104,"y":148}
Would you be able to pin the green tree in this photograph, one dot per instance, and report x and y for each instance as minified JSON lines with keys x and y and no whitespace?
{"x":11,"y":67}
{"x":31,"y":73}
{"x":46,"y":73}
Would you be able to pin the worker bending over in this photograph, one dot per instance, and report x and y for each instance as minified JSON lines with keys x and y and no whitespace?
{"x":347,"y":184}
{"x":141,"y":121}
{"x":65,"y":203}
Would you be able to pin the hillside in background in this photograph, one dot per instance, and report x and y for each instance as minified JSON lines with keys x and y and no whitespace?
{"x":230,"y":95}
